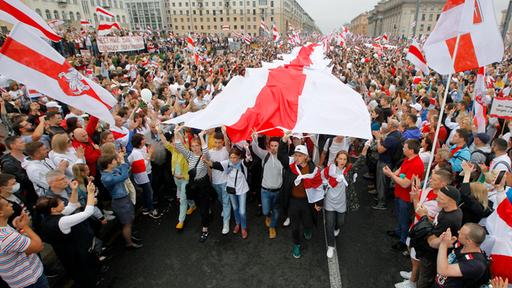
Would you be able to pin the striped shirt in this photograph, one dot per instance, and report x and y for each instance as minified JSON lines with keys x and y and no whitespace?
{"x":202,"y":168}
{"x":16,"y":268}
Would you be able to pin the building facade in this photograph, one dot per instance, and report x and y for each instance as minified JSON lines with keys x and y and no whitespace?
{"x":207,"y":16}
{"x":396,"y":17}
{"x":359,"y":25}
{"x":146,"y":13}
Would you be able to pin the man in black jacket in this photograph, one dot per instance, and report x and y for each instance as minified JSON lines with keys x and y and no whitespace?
{"x":11,"y":164}
{"x":293,"y":190}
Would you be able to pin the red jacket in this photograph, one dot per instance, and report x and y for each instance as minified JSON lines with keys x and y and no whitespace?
{"x":91,"y":154}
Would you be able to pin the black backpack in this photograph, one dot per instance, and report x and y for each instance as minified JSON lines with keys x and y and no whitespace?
{"x":488,"y":156}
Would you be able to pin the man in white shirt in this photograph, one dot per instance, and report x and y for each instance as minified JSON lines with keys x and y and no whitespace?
{"x":501,"y":161}
{"x":332,"y":147}
{"x":217,"y":154}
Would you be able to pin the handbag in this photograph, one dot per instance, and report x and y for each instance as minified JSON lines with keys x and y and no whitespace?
{"x":419,"y":234}
{"x":193,"y":172}
{"x":232,"y":190}
{"x":132,"y":193}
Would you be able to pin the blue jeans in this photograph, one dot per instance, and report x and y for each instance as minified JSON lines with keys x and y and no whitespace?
{"x":223,"y":197}
{"x":182,"y":195}
{"x":147,"y":196}
{"x":42,"y":282}
{"x":270,"y":203}
{"x":238,"y":204}
{"x":403,"y":212}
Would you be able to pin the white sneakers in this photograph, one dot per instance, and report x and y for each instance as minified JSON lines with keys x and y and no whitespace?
{"x":406,"y":275}
{"x":405,"y":284}
{"x":337,"y":232}
{"x":330,"y":252}
{"x":286,"y":222}
{"x":225,"y":228}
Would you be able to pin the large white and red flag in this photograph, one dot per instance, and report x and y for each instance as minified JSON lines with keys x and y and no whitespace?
{"x":473,"y":23}
{"x":14,"y":12}
{"x":275,"y":34}
{"x":298,"y":96}
{"x":104,"y":12}
{"x":415,"y":56}
{"x":480,"y":110}
{"x":107,"y":28}
{"x":28,"y":59}
{"x":498,"y":244}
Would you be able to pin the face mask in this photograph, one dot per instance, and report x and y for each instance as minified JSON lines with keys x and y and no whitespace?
{"x":16,"y":187}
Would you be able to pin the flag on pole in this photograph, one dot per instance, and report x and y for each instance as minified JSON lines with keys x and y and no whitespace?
{"x":14,"y":12}
{"x":415,"y":56}
{"x":480,"y":113}
{"x":28,"y":59}
{"x":55,"y":22}
{"x":225,"y":27}
{"x":264,"y":26}
{"x":107,"y":28}
{"x":473,"y":24}
{"x":85,"y":23}
{"x":275,"y":34}
{"x":104,"y":12}
{"x":190,"y":43}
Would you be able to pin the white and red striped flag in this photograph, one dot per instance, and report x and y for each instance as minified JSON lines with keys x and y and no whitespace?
{"x":415,"y":56}
{"x":28,"y":59}
{"x":33,"y":93}
{"x":55,"y":22}
{"x":225,"y":27}
{"x":85,"y":23}
{"x":275,"y":34}
{"x":107,"y":28}
{"x":104,"y":12}
{"x":246,"y":38}
{"x":14,"y":12}
{"x":298,"y":95}
{"x":499,"y":240}
{"x":480,"y":117}
{"x":264,"y":26}
{"x":191,"y":43}
{"x":471,"y":21}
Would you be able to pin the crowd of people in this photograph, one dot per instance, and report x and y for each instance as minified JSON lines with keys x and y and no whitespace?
{"x":65,"y":174}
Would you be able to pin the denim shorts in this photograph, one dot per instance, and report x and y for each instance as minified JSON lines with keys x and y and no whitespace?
{"x":124,"y":210}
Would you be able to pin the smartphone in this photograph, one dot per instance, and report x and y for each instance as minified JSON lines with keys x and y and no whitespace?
{"x":500,"y":176}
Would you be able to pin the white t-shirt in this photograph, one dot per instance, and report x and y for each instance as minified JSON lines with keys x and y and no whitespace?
{"x":336,"y":147}
{"x":498,"y":163}
{"x":218,"y":177}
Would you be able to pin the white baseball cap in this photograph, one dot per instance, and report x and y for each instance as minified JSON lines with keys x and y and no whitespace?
{"x":52,"y":104}
{"x":301,"y":149}
{"x":416,"y":106}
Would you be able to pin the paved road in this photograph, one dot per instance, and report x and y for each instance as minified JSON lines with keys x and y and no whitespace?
{"x":171,"y":259}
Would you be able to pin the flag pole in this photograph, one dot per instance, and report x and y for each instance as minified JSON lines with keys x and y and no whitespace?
{"x":441,"y":113}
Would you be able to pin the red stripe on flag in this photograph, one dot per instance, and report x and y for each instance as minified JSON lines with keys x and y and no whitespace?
{"x":505,"y":211}
{"x":277,"y":104}
{"x":452,"y":3}
{"x":500,"y":266}
{"x":466,"y":56}
{"x":138,"y":166}
{"x":477,"y":14}
{"x":44,"y":65}
{"x":22,"y":17}
{"x":416,"y":52}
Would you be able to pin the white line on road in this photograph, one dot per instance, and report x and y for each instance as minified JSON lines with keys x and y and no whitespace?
{"x":333,"y":263}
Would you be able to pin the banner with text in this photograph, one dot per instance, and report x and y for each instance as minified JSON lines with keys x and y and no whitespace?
{"x":501,"y":108}
{"x":119,"y":44}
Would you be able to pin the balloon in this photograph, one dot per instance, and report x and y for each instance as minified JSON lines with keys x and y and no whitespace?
{"x":146,"y":95}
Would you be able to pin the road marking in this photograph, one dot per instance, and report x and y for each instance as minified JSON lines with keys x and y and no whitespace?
{"x":333,"y":263}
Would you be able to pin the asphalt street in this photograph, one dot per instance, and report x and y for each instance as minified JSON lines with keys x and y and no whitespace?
{"x":171,"y":259}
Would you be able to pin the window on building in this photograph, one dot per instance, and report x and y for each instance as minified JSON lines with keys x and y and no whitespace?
{"x":207,"y":12}
{"x":271,"y":19}
{"x":214,"y":27}
{"x":271,"y":3}
{"x":48,"y":14}
{"x":233,"y":3}
{"x":71,"y":16}
{"x":38,"y":11}
{"x":214,"y":19}
{"x":220,"y":12}
{"x":118,"y":18}
{"x":422,"y":27}
{"x":271,"y":11}
{"x":221,"y":19}
{"x":428,"y":28}
{"x":124,"y":19}
{"x":202,"y":27}
{"x":173,"y":4}
{"x":182,"y":20}
{"x":437,"y":17}
{"x":179,"y":4}
{"x":234,"y":18}
{"x":186,"y":4}
{"x":234,"y":27}
{"x":64,"y":16}
{"x":253,"y":11}
{"x":95,"y":18}
{"x":423,"y":17}
{"x":213,"y":4}
{"x":121,"y":5}
{"x":254,"y":19}
{"x":241,"y":3}
{"x":254,"y":27}
{"x":263,"y":2}
{"x":56,"y":14}
{"x":242,"y":27}
{"x":194,"y":12}
{"x":430,"y":17}
{"x":195,"y":27}
{"x":174,"y":12}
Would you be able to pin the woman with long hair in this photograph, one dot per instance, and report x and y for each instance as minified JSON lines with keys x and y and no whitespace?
{"x":340,"y":194}
{"x":474,"y":197}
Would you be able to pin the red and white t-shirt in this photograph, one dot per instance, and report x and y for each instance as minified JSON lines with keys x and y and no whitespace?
{"x":141,"y":166}
{"x":16,"y":268}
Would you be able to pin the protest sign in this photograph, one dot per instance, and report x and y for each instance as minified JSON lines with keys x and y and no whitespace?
{"x":120,"y":44}
{"x":501,"y":108}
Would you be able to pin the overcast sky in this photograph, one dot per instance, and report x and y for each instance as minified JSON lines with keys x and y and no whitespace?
{"x":331,"y":14}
